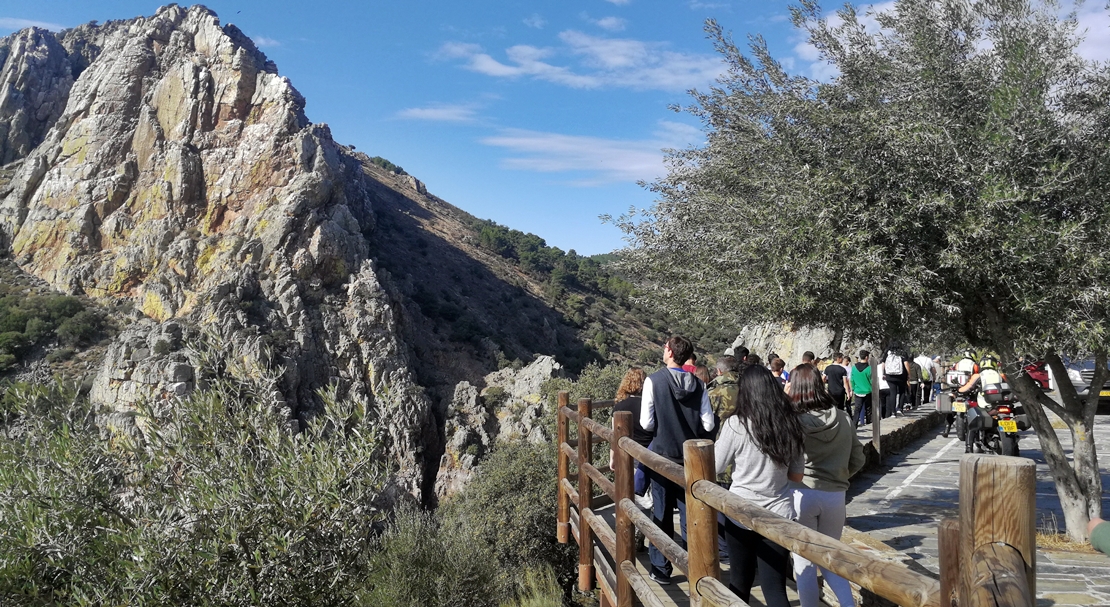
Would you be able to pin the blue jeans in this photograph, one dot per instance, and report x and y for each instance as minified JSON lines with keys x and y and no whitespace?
{"x":639,"y":480}
{"x":665,"y":496}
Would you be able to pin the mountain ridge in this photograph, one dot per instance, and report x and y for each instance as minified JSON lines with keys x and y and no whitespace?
{"x":181,"y":174}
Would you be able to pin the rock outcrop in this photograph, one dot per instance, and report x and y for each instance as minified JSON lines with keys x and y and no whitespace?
{"x":790,"y":342}
{"x":510,"y":407}
{"x":164,"y":160}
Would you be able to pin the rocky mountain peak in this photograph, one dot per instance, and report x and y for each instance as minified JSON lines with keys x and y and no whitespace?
{"x":164,"y":160}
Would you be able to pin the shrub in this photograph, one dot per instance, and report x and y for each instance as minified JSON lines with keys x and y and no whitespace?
{"x":80,"y":328}
{"x":540,"y":588}
{"x":60,"y":354}
{"x":509,"y":508}
{"x":205,"y":501}
{"x":418,"y":563}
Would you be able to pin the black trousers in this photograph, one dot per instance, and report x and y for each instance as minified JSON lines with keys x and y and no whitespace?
{"x":746,"y":548}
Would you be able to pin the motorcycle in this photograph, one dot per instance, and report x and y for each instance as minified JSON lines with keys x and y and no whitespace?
{"x":1002,"y":419}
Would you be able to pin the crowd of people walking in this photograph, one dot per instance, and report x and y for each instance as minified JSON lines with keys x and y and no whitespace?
{"x":784,"y":441}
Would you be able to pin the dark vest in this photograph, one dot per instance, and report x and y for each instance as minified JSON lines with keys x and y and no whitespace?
{"x":677,"y":414}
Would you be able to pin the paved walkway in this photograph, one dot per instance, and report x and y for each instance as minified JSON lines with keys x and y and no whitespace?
{"x":902,"y":502}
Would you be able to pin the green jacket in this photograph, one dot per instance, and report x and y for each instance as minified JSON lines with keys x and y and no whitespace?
{"x":723,"y":391}
{"x":833,"y":453}
{"x":860,"y":380}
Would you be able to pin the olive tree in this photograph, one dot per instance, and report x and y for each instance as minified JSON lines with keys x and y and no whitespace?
{"x":950,"y":180}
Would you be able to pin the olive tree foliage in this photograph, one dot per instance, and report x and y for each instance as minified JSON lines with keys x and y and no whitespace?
{"x":950,"y":180}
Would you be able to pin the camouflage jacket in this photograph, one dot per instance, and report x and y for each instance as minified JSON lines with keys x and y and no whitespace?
{"x":722,"y":394}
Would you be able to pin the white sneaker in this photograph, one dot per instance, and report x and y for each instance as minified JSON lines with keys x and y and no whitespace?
{"x":643,"y":501}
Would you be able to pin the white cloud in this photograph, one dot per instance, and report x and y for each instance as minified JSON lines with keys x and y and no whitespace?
{"x":441,"y":113}
{"x":1094,"y":24}
{"x":12,"y":23}
{"x":264,"y":42}
{"x":595,"y":62}
{"x":612,"y":24}
{"x":457,"y":50}
{"x":618,"y":2}
{"x":535,"y":21}
{"x":602,"y":160}
{"x":698,"y":5}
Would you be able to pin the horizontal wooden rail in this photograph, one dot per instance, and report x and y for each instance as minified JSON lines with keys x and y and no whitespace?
{"x":606,"y":576}
{"x":571,"y":491}
{"x":569,"y":451}
{"x":574,"y":526}
{"x":640,"y":585}
{"x":597,"y":440}
{"x":598,"y":430}
{"x":670,"y":549}
{"x":656,"y":462}
{"x":891,"y":581}
{"x":601,"y":432}
{"x":998,"y":577}
{"x":717,"y":594}
{"x":602,"y":530}
{"x":605,"y":484}
{"x":603,"y":404}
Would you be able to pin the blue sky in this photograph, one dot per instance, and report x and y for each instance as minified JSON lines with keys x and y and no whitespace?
{"x":538,"y":115}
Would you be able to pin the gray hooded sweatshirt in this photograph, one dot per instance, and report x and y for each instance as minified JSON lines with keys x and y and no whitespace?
{"x":833,"y":453}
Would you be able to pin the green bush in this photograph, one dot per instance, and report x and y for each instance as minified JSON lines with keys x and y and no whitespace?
{"x":419,"y":563}
{"x":509,"y":507}
{"x":540,"y":588}
{"x":80,"y":328}
{"x":206,"y":501}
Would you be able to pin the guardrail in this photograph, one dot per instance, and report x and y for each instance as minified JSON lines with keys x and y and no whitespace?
{"x":987,"y":555}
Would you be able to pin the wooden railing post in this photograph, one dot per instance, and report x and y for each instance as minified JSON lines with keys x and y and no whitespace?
{"x":585,"y":492}
{"x":876,"y":411}
{"x":626,"y":532}
{"x":948,"y":544}
{"x":997,"y":531}
{"x":701,"y":518}
{"x":562,"y":531}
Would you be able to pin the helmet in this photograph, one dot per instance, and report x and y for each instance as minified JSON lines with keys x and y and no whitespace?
{"x":988,"y":362}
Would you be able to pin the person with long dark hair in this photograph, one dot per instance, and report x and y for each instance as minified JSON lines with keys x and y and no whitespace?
{"x":762,"y":440}
{"x":833,"y":454}
{"x":629,"y":397}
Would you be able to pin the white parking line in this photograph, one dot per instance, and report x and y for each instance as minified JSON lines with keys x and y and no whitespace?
{"x":893,"y":493}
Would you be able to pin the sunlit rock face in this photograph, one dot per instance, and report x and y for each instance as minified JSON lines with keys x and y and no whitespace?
{"x":164,"y":160}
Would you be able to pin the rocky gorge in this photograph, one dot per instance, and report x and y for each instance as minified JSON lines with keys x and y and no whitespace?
{"x":164,"y":161}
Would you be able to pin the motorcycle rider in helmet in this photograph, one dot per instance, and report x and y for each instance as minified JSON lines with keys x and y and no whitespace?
{"x":986,"y":373}
{"x":965,"y":368}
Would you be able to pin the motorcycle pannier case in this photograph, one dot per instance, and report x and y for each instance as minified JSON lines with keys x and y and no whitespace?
{"x":995,"y":393}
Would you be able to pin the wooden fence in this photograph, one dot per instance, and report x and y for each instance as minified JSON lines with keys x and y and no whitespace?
{"x":987,"y":555}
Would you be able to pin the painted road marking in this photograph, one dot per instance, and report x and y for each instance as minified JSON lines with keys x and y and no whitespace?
{"x":893,"y":493}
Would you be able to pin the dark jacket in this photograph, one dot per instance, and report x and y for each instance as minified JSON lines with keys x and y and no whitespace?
{"x":677,"y":401}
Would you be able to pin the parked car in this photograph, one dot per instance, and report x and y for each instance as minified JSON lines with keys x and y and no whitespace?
{"x":1080,"y":374}
{"x":1037,"y":370}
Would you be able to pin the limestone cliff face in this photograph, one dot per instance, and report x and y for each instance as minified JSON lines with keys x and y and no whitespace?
{"x":164,"y":160}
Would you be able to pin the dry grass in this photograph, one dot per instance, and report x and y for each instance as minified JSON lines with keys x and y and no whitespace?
{"x":1061,"y":542}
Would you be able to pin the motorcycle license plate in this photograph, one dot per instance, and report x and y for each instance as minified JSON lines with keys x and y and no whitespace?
{"x":1007,"y":425}
{"x":959,"y":407}
{"x":1104,"y":393}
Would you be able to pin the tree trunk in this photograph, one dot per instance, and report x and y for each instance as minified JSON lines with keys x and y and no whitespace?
{"x":1078,"y":483}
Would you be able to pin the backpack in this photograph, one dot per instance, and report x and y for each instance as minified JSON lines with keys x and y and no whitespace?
{"x":894,"y":366}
